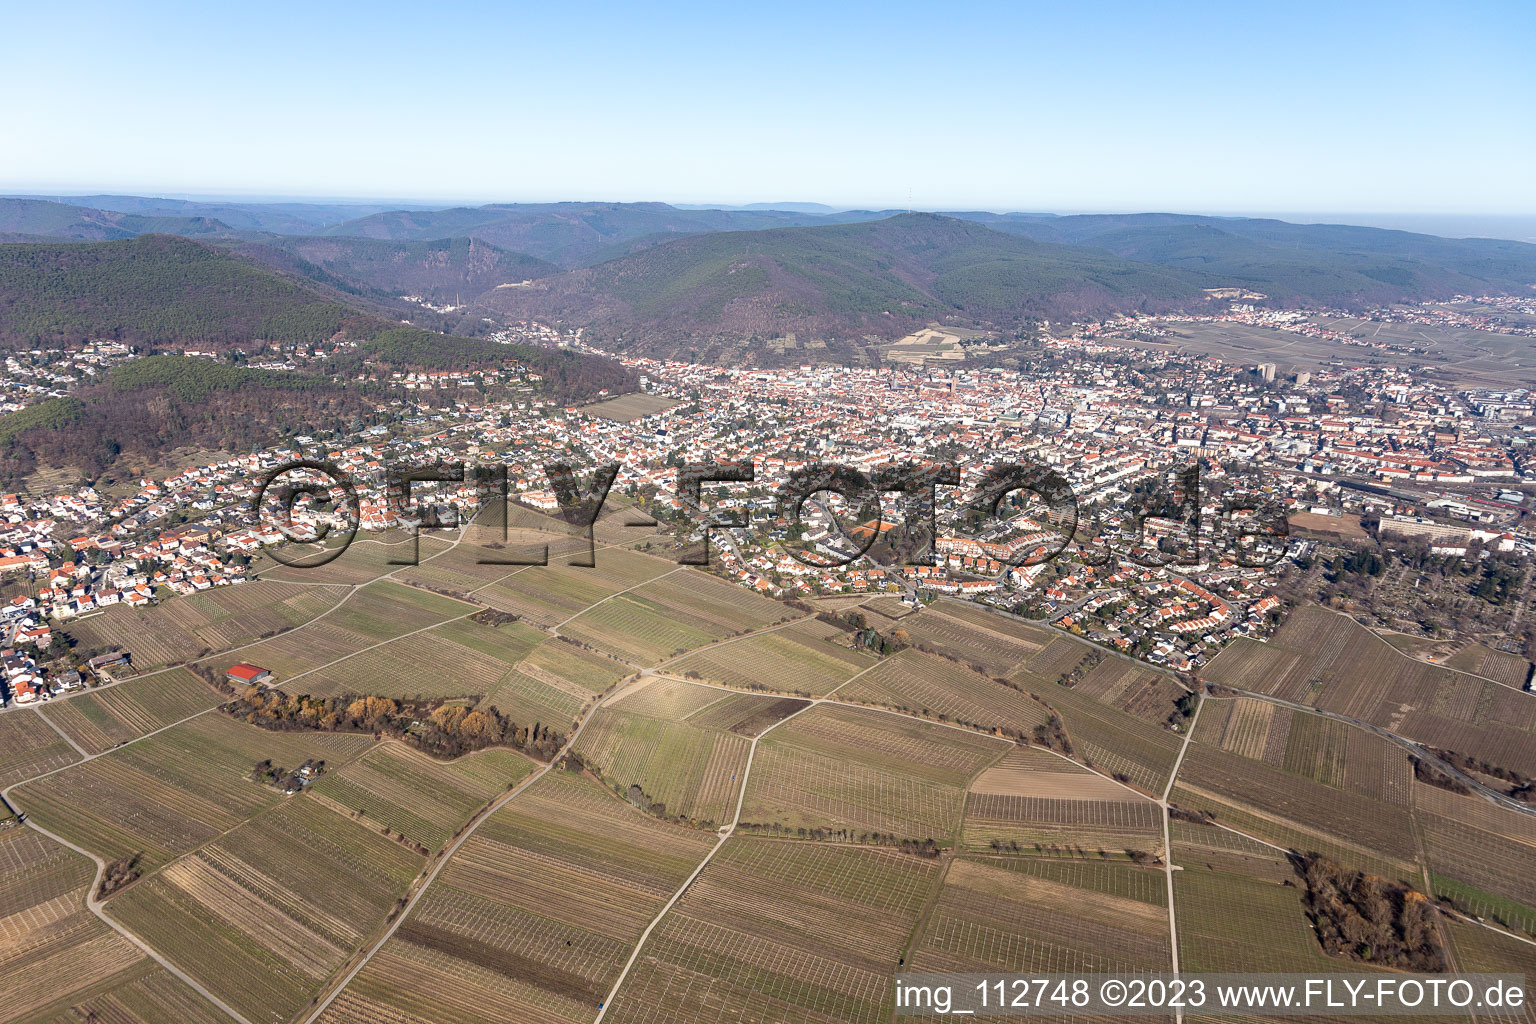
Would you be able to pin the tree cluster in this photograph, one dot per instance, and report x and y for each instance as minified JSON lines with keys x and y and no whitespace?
{"x":1052,"y":735}
{"x":1365,"y":917}
{"x":441,"y":729}
{"x":120,"y":873}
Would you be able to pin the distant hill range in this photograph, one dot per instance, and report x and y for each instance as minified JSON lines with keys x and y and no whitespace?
{"x":729,"y":284}
{"x":728,"y":296}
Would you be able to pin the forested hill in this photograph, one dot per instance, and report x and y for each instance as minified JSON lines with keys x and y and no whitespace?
{"x":569,"y":234}
{"x":1307,"y":264}
{"x":708,"y":293}
{"x":723,"y":296}
{"x":166,"y":294}
{"x":42,"y":218}
{"x":163,"y":293}
{"x":158,"y":291}
{"x":446,"y":271}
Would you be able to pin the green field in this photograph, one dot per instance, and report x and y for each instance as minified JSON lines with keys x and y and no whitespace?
{"x":423,"y":800}
{"x":692,"y":772}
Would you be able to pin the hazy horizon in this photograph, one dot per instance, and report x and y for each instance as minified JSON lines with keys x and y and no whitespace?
{"x":1120,"y":107}
{"x":1513,"y":227}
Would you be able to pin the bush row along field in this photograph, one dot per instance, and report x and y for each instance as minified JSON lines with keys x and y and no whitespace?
{"x":184,"y":628}
{"x":52,"y":950}
{"x":930,"y":686}
{"x":424,"y":800}
{"x":809,"y":657}
{"x":100,"y":720}
{"x":1330,"y":661}
{"x":176,"y":790}
{"x":779,"y":930}
{"x":1082,"y":827}
{"x":553,"y":682}
{"x":1140,"y":751}
{"x":673,"y":615}
{"x":263,"y":915}
{"x":1045,"y":916}
{"x":534,"y":916}
{"x":847,"y":768}
{"x":693,"y":772}
{"x":28,"y":747}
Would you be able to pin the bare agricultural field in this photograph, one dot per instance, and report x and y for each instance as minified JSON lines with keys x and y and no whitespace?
{"x":265,"y":914}
{"x":1044,"y":916}
{"x":387,"y":609}
{"x":1509,"y":669}
{"x":1485,"y":849}
{"x":1336,"y":528}
{"x":1130,"y":748}
{"x":367,"y":558}
{"x":629,"y":408}
{"x":52,"y":950}
{"x":101,"y":719}
{"x":691,"y":771}
{"x":1032,"y":772}
{"x":995,"y":644}
{"x":670,"y":700}
{"x":848,"y":769}
{"x":145,"y":993}
{"x":804,"y":658}
{"x":184,"y":628}
{"x":1332,"y":662}
{"x":781,"y":930}
{"x":534,"y":916}
{"x":417,"y":797}
{"x":1273,"y":793}
{"x":173,"y":791}
{"x":29,"y":747}
{"x":672,"y":614}
{"x":928,"y":685}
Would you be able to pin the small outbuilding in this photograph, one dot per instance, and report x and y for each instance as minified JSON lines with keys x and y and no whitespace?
{"x":246,"y":675}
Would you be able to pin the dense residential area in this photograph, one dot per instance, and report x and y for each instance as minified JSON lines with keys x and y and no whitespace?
{"x":1345,"y":454}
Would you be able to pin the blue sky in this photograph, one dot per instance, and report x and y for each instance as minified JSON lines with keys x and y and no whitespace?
{"x":1339,"y":106}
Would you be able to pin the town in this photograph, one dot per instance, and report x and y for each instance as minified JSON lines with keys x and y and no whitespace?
{"x":1422,"y":463}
